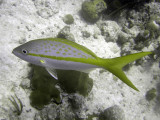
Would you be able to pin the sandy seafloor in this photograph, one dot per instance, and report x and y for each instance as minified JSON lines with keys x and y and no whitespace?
{"x":24,"y":20}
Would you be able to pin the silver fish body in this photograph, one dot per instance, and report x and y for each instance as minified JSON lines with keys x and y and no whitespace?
{"x":58,"y":53}
{"x":57,"y":49}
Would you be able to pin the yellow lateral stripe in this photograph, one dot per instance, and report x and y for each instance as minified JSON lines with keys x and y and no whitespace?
{"x":96,"y":61}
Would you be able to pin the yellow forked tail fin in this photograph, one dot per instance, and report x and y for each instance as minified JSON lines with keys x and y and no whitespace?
{"x":115,"y":66}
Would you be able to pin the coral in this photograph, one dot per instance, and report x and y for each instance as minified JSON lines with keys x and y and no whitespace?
{"x":74,"y":81}
{"x":122,"y":38}
{"x":65,"y":33}
{"x":86,"y":34}
{"x":153,"y":26}
{"x":157,"y":0}
{"x":44,"y":88}
{"x":142,"y":39}
{"x":115,"y":7}
{"x":92,"y":117}
{"x":45,"y":9}
{"x":68,"y":19}
{"x":151,"y":94}
{"x":150,"y":31}
{"x":142,"y":36}
{"x":77,"y":101}
{"x":25,"y":84}
{"x":112,"y":113}
{"x":91,"y":10}
{"x":110,"y":30}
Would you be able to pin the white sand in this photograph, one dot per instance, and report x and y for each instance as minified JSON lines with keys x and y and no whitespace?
{"x":24,"y":20}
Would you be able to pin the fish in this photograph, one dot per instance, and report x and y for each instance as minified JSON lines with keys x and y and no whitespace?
{"x":59,"y":53}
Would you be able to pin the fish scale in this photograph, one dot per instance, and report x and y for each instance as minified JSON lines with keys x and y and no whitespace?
{"x":53,"y":48}
{"x":58,"y":53}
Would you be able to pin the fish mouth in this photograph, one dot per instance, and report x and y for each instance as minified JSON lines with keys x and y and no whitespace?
{"x":16,"y":52}
{"x":13,"y":51}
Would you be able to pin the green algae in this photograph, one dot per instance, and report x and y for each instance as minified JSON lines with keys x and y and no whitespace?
{"x":151,"y":94}
{"x":44,"y":89}
{"x":68,"y":19}
{"x":75,"y":82}
{"x":91,"y":10}
{"x":17,"y":103}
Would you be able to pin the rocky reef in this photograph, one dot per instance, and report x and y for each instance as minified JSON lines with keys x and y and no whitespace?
{"x":110,"y":28}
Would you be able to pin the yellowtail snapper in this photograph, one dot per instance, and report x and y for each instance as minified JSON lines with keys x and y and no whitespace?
{"x":58,"y":53}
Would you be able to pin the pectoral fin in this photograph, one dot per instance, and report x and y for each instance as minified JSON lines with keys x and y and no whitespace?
{"x":52,"y":72}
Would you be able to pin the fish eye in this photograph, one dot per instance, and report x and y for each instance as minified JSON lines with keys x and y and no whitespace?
{"x":24,"y":51}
